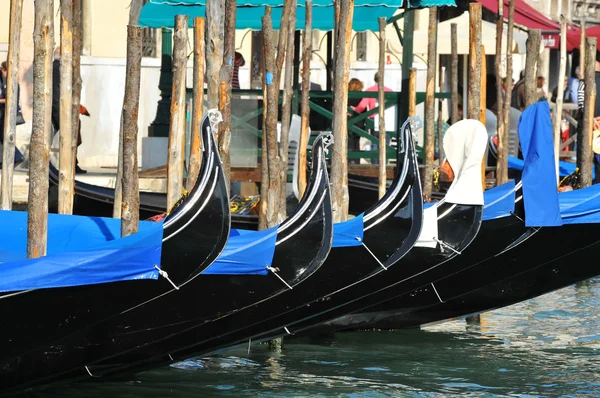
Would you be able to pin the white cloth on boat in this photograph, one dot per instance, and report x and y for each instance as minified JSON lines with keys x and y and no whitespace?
{"x":465,"y":143}
{"x":429,"y":228}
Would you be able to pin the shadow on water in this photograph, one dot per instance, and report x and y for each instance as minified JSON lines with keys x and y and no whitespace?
{"x":547,"y":346}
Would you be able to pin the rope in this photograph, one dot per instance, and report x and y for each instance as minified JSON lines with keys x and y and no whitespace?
{"x":512,"y":213}
{"x":274,"y":271}
{"x":447,"y":246}
{"x":436,"y":293}
{"x":371,"y":253}
{"x":166,"y":276}
{"x":287,"y":331}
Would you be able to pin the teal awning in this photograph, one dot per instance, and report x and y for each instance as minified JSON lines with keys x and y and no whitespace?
{"x":161,"y":13}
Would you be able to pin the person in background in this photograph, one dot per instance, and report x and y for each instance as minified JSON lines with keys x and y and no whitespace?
{"x":540,"y":88}
{"x":4,"y":75}
{"x":56,"y":106}
{"x":595,"y":114}
{"x":565,"y":93}
{"x":354,"y":139}
{"x":573,"y":86}
{"x":237,"y":63}
{"x":517,"y":99}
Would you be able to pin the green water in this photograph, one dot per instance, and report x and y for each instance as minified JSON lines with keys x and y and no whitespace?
{"x":548,"y":346}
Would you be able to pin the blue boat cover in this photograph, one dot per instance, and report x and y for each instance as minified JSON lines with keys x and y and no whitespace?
{"x":80,"y":251}
{"x":539,"y":177}
{"x":564,"y":168}
{"x":581,"y":206}
{"x":348,"y":233}
{"x":499,"y":201}
{"x":246,"y":253}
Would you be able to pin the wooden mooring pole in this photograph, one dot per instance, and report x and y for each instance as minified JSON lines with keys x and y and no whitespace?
{"x":225,"y":87}
{"x":502,"y":163}
{"x":584,"y":161}
{"x":412,"y":92}
{"x":502,"y":173}
{"x":454,"y":74}
{"x":66,"y":173}
{"x":134,"y":15}
{"x":558,"y":112}
{"x":286,"y":108}
{"x":339,"y":166}
{"x":582,"y":35}
{"x":381,"y":100}
{"x":215,"y":15}
{"x":474,"y":85}
{"x":198,"y":104}
{"x":178,"y":110}
{"x":43,"y":42}
{"x":130,"y":213}
{"x":531,"y":60}
{"x":304,"y":105}
{"x":430,"y":103}
{"x":440,"y":119}
{"x":76,"y":75}
{"x":12,"y":98}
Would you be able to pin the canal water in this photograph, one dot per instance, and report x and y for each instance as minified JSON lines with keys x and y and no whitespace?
{"x":548,"y":346}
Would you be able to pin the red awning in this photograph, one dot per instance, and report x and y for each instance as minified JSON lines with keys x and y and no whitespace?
{"x":525,"y":15}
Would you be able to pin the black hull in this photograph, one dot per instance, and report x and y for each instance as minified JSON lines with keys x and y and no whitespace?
{"x":303,"y":242}
{"x":194,"y":234}
{"x":389,"y":238}
{"x":526,"y":271}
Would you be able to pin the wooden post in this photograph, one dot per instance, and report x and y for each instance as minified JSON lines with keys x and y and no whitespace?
{"x":225,"y":84}
{"x":531,"y":59}
{"x":440,"y":119}
{"x":483,"y":108}
{"x":215,"y":15}
{"x":339,"y":169}
{"x":454,"y":74}
{"x":177,"y":125}
{"x":509,"y":73}
{"x":286,"y":107}
{"x":475,"y":59}
{"x":560,"y":93}
{"x":43,"y":42}
{"x":381,"y":99}
{"x":198,"y":97}
{"x":134,"y":15}
{"x":430,"y":103}
{"x":66,"y":174}
{"x":412,"y":92}
{"x":305,"y":108}
{"x":501,"y":163}
{"x":12,"y":98}
{"x":130,"y":213}
{"x":584,"y":162}
{"x":273,"y":64}
{"x":582,"y":48}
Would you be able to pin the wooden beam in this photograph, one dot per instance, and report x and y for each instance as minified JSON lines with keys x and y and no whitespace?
{"x":430,"y":103}
{"x":503,"y":158}
{"x":215,"y":15}
{"x":474,"y":84}
{"x":66,"y":172}
{"x":560,"y":94}
{"x":176,"y":155}
{"x":412,"y":92}
{"x":305,"y":108}
{"x":502,"y":162}
{"x":381,"y":99}
{"x":339,"y":169}
{"x":130,"y":213}
{"x":197,"y":104}
{"x":531,"y":59}
{"x":584,"y":161}
{"x":43,"y":42}
{"x":11,"y":104}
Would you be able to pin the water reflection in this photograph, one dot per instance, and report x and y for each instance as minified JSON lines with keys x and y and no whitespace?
{"x":547,"y":346}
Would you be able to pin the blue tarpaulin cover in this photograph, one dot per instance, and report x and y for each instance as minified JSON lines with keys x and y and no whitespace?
{"x":499,"y":201}
{"x":540,"y":192}
{"x":80,"y":251}
{"x":564,"y":168}
{"x":349,"y":233}
{"x":246,"y":253}
{"x":581,"y":206}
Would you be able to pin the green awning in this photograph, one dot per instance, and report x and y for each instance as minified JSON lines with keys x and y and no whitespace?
{"x":161,"y":13}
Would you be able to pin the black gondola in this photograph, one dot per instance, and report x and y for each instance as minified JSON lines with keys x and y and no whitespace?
{"x":295,"y":250}
{"x":193,"y":235}
{"x":391,"y":228}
